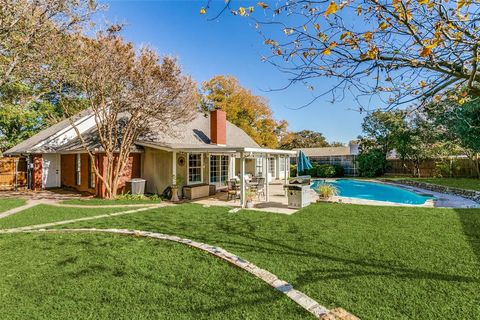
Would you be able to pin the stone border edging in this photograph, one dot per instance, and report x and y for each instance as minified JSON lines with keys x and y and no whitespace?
{"x":469,"y":194}
{"x":307,"y":303}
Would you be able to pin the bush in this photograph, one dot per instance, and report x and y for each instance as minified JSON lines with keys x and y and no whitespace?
{"x":327,"y":190}
{"x":339,"y":171}
{"x":293,"y":170}
{"x":326,"y":171}
{"x":371,"y":163}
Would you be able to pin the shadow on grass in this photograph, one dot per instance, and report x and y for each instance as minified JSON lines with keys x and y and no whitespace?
{"x":470,"y":219}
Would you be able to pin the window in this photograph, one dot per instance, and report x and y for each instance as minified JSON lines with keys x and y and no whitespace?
{"x":78,"y":165}
{"x":281,"y":164}
{"x":91,"y":173}
{"x":259,"y":166}
{"x":271,"y":164}
{"x":195,"y":168}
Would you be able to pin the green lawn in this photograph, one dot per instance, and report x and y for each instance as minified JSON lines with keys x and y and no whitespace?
{"x":94,"y":276}
{"x":106,"y":202}
{"x":462,"y":183}
{"x":377,"y":262}
{"x":7,"y":204}
{"x":45,"y":213}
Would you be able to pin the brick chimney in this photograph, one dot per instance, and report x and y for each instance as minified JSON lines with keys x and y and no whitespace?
{"x":218,"y":127}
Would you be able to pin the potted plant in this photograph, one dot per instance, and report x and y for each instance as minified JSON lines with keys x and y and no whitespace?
{"x":249,"y":198}
{"x":178,"y":182}
{"x":326,"y":191}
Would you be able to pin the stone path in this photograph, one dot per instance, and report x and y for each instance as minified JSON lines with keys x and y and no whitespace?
{"x":29,"y":204}
{"x":284,"y":287}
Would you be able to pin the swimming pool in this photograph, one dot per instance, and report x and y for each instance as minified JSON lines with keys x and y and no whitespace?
{"x":373,"y":191}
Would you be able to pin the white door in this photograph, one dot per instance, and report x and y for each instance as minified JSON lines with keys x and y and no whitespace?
{"x":50,"y":170}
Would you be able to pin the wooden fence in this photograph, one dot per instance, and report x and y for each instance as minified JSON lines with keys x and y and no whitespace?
{"x":431,"y":168}
{"x":13,"y":173}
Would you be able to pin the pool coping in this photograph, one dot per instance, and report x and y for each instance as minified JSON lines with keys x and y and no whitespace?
{"x":447,"y":200}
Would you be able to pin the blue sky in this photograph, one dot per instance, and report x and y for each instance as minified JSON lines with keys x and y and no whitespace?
{"x":230,"y":45}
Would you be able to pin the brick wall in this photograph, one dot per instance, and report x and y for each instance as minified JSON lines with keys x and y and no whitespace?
{"x":68,"y":161}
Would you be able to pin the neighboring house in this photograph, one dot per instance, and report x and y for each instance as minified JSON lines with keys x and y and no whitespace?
{"x":344,"y":156}
{"x":208,"y":150}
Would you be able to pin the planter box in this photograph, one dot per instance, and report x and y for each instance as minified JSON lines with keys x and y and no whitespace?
{"x":196,"y":191}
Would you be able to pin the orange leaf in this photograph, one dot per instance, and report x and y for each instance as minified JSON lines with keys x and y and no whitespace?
{"x":203,"y":11}
{"x":263,"y":5}
{"x":326,"y":51}
{"x":426,"y":51}
{"x":332,"y":8}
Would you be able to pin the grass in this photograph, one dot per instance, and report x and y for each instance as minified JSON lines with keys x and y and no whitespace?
{"x":462,"y":183}
{"x":44,"y":213}
{"x":106,"y":202}
{"x":376,"y":262}
{"x":7,"y":204}
{"x":96,"y":276}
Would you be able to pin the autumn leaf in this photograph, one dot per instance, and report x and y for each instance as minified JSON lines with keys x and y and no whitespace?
{"x":288,"y":31}
{"x":326,"y":51}
{"x":424,"y":2}
{"x":305,"y":28}
{"x":250,"y":9}
{"x":317,"y":26}
{"x":368,"y":36}
{"x":241,"y":11}
{"x":426,"y":51}
{"x":372,"y":53}
{"x":305,"y":54}
{"x":279,"y":51}
{"x":203,"y":11}
{"x":263,"y":5}
{"x":422,"y":84}
{"x":383,"y":25}
{"x":332,"y":8}
{"x":359,"y":10}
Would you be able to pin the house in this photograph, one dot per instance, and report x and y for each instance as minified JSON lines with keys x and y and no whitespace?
{"x":209,"y":150}
{"x":342,"y":155}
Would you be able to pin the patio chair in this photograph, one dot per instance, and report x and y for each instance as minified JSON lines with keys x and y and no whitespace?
{"x":260,"y":189}
{"x":233,"y":191}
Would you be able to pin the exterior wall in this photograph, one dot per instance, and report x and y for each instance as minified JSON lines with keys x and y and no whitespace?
{"x":157,"y":170}
{"x":249,"y":166}
{"x":68,"y":164}
{"x":37,"y":172}
{"x":218,"y":127}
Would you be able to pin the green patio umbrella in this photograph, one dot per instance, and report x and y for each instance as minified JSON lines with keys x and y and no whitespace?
{"x":303,"y":164}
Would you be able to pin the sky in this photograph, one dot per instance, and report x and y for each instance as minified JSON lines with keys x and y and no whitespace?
{"x":231,"y":45}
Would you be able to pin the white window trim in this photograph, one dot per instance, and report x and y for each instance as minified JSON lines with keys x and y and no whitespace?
{"x":201,"y":168}
{"x":78,"y":169}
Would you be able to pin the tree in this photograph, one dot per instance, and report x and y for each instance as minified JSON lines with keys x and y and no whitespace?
{"x":459,"y":124}
{"x":249,"y":112}
{"x":34,"y":34}
{"x":129,"y":94}
{"x":385,"y":131}
{"x":304,"y":139}
{"x":401,"y":50}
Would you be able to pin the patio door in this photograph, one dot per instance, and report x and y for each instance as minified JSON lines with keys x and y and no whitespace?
{"x":219,"y":170}
{"x":50,"y":170}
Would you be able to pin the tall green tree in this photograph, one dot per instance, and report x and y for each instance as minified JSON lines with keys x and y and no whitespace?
{"x":249,"y":112}
{"x":304,"y":139}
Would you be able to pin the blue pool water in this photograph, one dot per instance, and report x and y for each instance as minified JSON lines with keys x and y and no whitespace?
{"x":373,"y":191}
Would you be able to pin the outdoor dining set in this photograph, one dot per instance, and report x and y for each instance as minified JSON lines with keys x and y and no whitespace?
{"x":255,"y":185}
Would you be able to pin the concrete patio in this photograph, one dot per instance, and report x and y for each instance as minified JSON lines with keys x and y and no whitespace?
{"x":278,"y":202}
{"x":56,"y":194}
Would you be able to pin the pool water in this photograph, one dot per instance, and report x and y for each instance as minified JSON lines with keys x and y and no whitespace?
{"x":373,"y":191}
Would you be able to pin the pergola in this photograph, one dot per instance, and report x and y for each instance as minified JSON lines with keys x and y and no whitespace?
{"x":242,"y":153}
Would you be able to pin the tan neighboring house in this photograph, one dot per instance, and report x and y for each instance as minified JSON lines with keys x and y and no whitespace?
{"x":343,"y":155}
{"x":206,"y":151}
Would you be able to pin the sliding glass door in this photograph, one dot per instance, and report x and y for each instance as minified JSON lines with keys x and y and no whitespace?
{"x":219,"y":170}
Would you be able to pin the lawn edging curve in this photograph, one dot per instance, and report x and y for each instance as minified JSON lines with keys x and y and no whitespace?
{"x":319,"y":311}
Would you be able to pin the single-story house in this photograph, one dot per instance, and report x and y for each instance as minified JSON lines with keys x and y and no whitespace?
{"x":342,"y":155}
{"x":209,"y":150}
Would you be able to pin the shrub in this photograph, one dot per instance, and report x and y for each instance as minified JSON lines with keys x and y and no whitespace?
{"x":339,"y":170}
{"x":293,"y":170}
{"x":325,"y":171}
{"x":371,"y":163}
{"x":327,"y":190}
